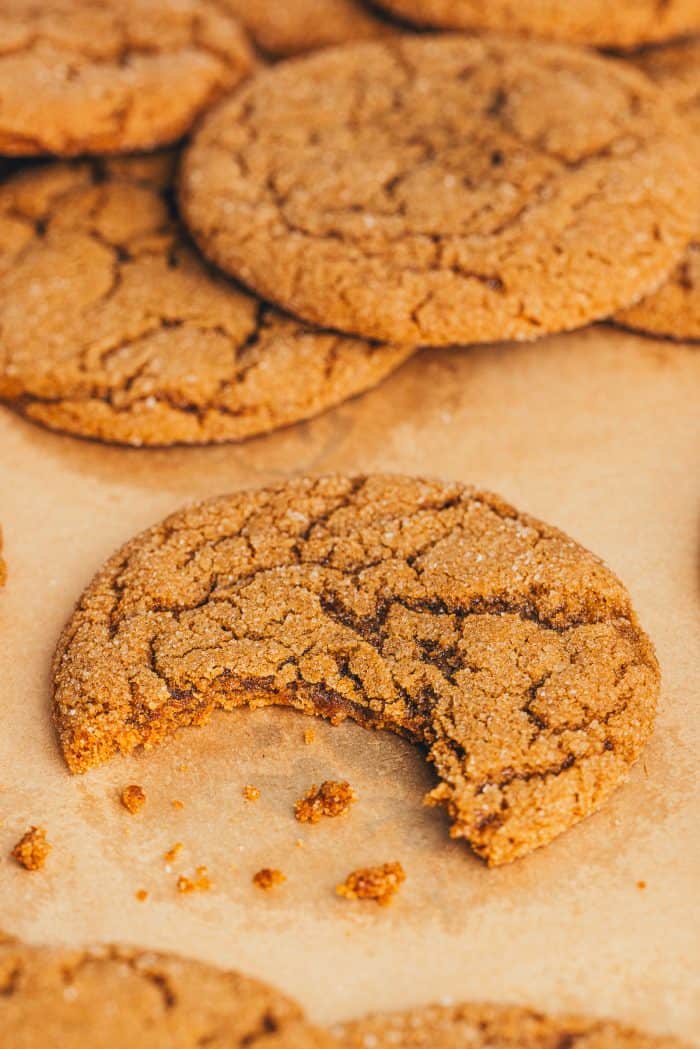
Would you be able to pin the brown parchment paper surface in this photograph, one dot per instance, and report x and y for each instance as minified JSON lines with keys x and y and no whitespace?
{"x":596,"y":432}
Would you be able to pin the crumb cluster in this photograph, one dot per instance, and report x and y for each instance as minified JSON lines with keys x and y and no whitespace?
{"x":332,"y":798}
{"x":133,"y":798}
{"x":32,"y":849}
{"x":268,"y":877}
{"x":200,"y":883}
{"x":373,"y":883}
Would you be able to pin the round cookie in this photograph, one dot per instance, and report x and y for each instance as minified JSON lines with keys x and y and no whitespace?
{"x":444,"y":190}
{"x":112,"y":327}
{"x":113,"y":997}
{"x":484,"y":1026}
{"x":290,"y":27}
{"x":674,"y":310}
{"x":432,"y":609}
{"x":622,"y":24}
{"x":80,"y":77}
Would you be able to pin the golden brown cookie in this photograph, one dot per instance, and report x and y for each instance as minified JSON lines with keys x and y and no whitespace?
{"x":429,"y":608}
{"x":622,"y":24}
{"x":112,"y":326}
{"x":674,"y":310}
{"x":444,"y":189}
{"x":482,"y":1026}
{"x":290,"y":27}
{"x":84,"y":77}
{"x":114,"y":997}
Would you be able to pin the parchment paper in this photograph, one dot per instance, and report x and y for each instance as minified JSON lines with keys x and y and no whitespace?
{"x":597,"y":432}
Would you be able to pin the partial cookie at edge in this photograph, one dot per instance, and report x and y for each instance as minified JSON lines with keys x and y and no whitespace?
{"x":428,"y":608}
{"x":622,"y":24}
{"x":147,"y":1000}
{"x":113,"y":327}
{"x":444,"y":189}
{"x":281,"y":29}
{"x":674,"y":310}
{"x":76,"y":77}
{"x":490,"y":1026}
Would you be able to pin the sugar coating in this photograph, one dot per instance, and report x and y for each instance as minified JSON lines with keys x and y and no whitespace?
{"x":444,"y":189}
{"x":114,"y":328}
{"x":429,"y":608}
{"x":83,"y":77}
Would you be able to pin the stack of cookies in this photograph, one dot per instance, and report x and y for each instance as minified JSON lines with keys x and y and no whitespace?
{"x":222,"y":217}
{"x":333,"y":213}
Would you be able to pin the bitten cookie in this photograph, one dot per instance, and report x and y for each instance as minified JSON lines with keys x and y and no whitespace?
{"x":623,"y":24}
{"x":114,"y":997}
{"x":113,"y":327}
{"x":79,"y":77}
{"x":674,"y":310}
{"x":290,"y":27}
{"x":435,"y":610}
{"x":445,"y":189}
{"x":481,"y":1026}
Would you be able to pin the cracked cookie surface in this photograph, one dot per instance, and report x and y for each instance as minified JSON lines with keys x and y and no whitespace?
{"x":435,"y":610}
{"x":113,"y":327}
{"x":289,"y":27}
{"x":623,"y":24}
{"x":445,"y":189}
{"x":485,"y":1026}
{"x":674,"y":310}
{"x":79,"y":76}
{"x":116,"y":996}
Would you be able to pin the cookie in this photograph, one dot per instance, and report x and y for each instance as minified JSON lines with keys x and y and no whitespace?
{"x":623,"y":24}
{"x":112,"y":326}
{"x":445,"y":189}
{"x":508,"y":651}
{"x":482,"y":1026}
{"x":674,"y":310}
{"x":80,"y":77}
{"x":289,"y":27}
{"x":117,"y":996}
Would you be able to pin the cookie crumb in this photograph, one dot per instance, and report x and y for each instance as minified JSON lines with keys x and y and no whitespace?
{"x":141,"y":895}
{"x":309,"y":736}
{"x":373,"y":883}
{"x":332,"y":798}
{"x":200,"y":883}
{"x":172,"y":852}
{"x":177,"y":804}
{"x":32,"y":849}
{"x":251,"y":793}
{"x":267,"y":878}
{"x":641,"y":884}
{"x":133,"y":798}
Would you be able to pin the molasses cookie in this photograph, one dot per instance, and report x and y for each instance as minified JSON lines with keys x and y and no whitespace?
{"x":113,"y":997}
{"x":290,"y":27}
{"x":674,"y":310}
{"x":445,"y":189}
{"x":623,"y":24}
{"x":80,"y":77}
{"x":113,"y":327}
{"x":481,"y":1026}
{"x":510,"y":653}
